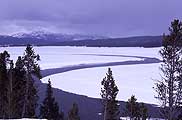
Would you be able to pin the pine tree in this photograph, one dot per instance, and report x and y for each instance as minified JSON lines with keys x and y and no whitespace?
{"x":169,"y":89}
{"x":143,"y":111}
{"x":18,"y":95}
{"x":32,"y":68}
{"x":135,"y":110}
{"x":4,"y":82}
{"x":50,"y":109}
{"x":73,"y":113}
{"x":9,"y":94}
{"x":132,"y":108}
{"x":19,"y":88}
{"x":109,"y":92}
{"x":10,"y":89}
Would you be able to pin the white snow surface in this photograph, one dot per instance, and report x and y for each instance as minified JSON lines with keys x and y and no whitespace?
{"x":55,"y":56}
{"x":135,"y":80}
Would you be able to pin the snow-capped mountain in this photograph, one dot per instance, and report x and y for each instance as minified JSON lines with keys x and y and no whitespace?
{"x":42,"y":38}
{"x":48,"y":36}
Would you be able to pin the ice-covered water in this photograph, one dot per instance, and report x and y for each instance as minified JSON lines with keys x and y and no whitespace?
{"x":131,"y":79}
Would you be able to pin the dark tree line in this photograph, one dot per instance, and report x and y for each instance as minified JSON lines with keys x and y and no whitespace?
{"x":18,"y":94}
{"x":4,"y":82}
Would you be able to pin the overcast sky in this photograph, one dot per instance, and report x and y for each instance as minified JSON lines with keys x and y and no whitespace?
{"x":102,"y":17}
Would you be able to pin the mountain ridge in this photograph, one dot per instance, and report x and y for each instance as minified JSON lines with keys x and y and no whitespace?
{"x":40,"y":38}
{"x":56,"y":36}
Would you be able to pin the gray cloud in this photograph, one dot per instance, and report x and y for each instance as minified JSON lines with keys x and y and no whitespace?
{"x":104,"y":17}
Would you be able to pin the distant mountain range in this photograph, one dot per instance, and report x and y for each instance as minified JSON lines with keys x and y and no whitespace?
{"x":47,"y":36}
{"x":41,"y":38}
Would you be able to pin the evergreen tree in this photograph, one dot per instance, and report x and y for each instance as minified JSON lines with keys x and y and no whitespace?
{"x":143,"y":111}
{"x":32,"y":68}
{"x":50,"y":109}
{"x":10,"y":89}
{"x":135,"y":110}
{"x":132,"y":108}
{"x":10,"y":94}
{"x":4,"y":82}
{"x":18,"y":95}
{"x":19,"y":88}
{"x":169,"y":89}
{"x":73,"y":113}
{"x":109,"y":92}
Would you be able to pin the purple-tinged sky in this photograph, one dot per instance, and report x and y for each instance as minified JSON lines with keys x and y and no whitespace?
{"x":115,"y":18}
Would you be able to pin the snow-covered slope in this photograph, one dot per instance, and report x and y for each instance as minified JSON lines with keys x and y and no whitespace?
{"x":44,"y":35}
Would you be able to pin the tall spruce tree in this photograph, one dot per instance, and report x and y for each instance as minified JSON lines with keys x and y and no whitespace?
{"x":50,"y":109}
{"x":132,"y":108}
{"x":10,"y":88}
{"x":73,"y":113}
{"x":4,"y":84}
{"x":109,"y":92}
{"x":32,"y":68}
{"x":18,"y":95}
{"x":9,"y":91}
{"x":169,"y":88}
{"x":19,"y":88}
